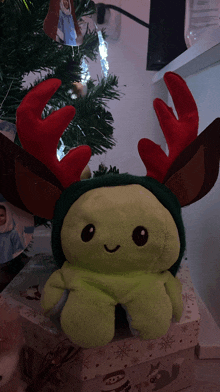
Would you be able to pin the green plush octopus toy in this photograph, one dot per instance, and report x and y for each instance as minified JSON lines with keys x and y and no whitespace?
{"x":116,"y":239}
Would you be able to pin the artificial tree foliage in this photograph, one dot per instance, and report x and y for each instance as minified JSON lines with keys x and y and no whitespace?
{"x":104,"y":170}
{"x":25,"y":48}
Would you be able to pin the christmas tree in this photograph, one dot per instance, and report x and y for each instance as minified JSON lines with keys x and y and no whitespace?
{"x":25,"y":49}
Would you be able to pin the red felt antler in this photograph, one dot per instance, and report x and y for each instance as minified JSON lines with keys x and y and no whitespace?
{"x":179,"y":133}
{"x":40,"y":137}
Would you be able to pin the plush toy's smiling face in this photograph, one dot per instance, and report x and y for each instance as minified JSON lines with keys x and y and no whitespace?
{"x":120,"y":229}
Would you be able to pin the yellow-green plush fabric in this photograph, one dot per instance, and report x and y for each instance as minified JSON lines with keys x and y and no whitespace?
{"x":119,"y":243}
{"x":76,"y":190}
{"x":88,"y":317}
{"x":115,"y":212}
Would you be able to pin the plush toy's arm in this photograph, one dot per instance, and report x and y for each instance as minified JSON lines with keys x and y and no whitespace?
{"x":174,"y":290}
{"x":53,"y":291}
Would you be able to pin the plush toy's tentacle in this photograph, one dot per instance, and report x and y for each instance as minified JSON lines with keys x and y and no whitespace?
{"x":150,"y":319}
{"x":150,"y":308}
{"x":88,"y":318}
{"x":53,"y":291}
{"x":174,"y":290}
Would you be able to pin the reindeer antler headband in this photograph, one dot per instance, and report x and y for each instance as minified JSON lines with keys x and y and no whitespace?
{"x":34,"y":180}
{"x":179,"y":133}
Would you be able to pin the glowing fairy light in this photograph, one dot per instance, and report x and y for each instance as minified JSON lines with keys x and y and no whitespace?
{"x":85,"y":74}
{"x":103,"y":51}
{"x":60,"y":151}
{"x":84,"y":79}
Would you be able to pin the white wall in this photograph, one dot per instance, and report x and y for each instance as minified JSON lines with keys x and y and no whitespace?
{"x":134,"y":116}
{"x":202,"y":219}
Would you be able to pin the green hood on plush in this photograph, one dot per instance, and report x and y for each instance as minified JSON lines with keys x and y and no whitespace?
{"x":76,"y":190}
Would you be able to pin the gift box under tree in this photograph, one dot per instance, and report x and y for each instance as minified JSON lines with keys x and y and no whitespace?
{"x":125,"y":364}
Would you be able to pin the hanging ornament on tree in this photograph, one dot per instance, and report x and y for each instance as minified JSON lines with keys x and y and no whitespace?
{"x":79,"y":89}
{"x":61,"y":24}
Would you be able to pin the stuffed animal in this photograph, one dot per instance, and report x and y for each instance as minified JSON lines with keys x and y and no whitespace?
{"x":11,"y":342}
{"x":116,"y":239}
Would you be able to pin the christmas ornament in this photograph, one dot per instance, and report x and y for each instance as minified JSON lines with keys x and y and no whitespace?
{"x":79,"y":89}
{"x":61,"y":24}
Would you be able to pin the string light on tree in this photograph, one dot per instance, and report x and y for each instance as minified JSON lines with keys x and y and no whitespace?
{"x":60,"y":151}
{"x":103,"y":50}
{"x":85,"y":74}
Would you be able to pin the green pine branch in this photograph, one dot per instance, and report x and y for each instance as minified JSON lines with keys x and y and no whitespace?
{"x":93,"y":123}
{"x":103,"y":170}
{"x":19,"y":4}
{"x":25,"y":48}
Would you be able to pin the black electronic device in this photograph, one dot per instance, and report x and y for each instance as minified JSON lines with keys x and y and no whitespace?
{"x":166,"y":33}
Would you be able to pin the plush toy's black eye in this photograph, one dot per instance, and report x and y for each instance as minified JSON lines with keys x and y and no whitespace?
{"x":0,"y":378}
{"x":140,"y":236}
{"x":88,"y":232}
